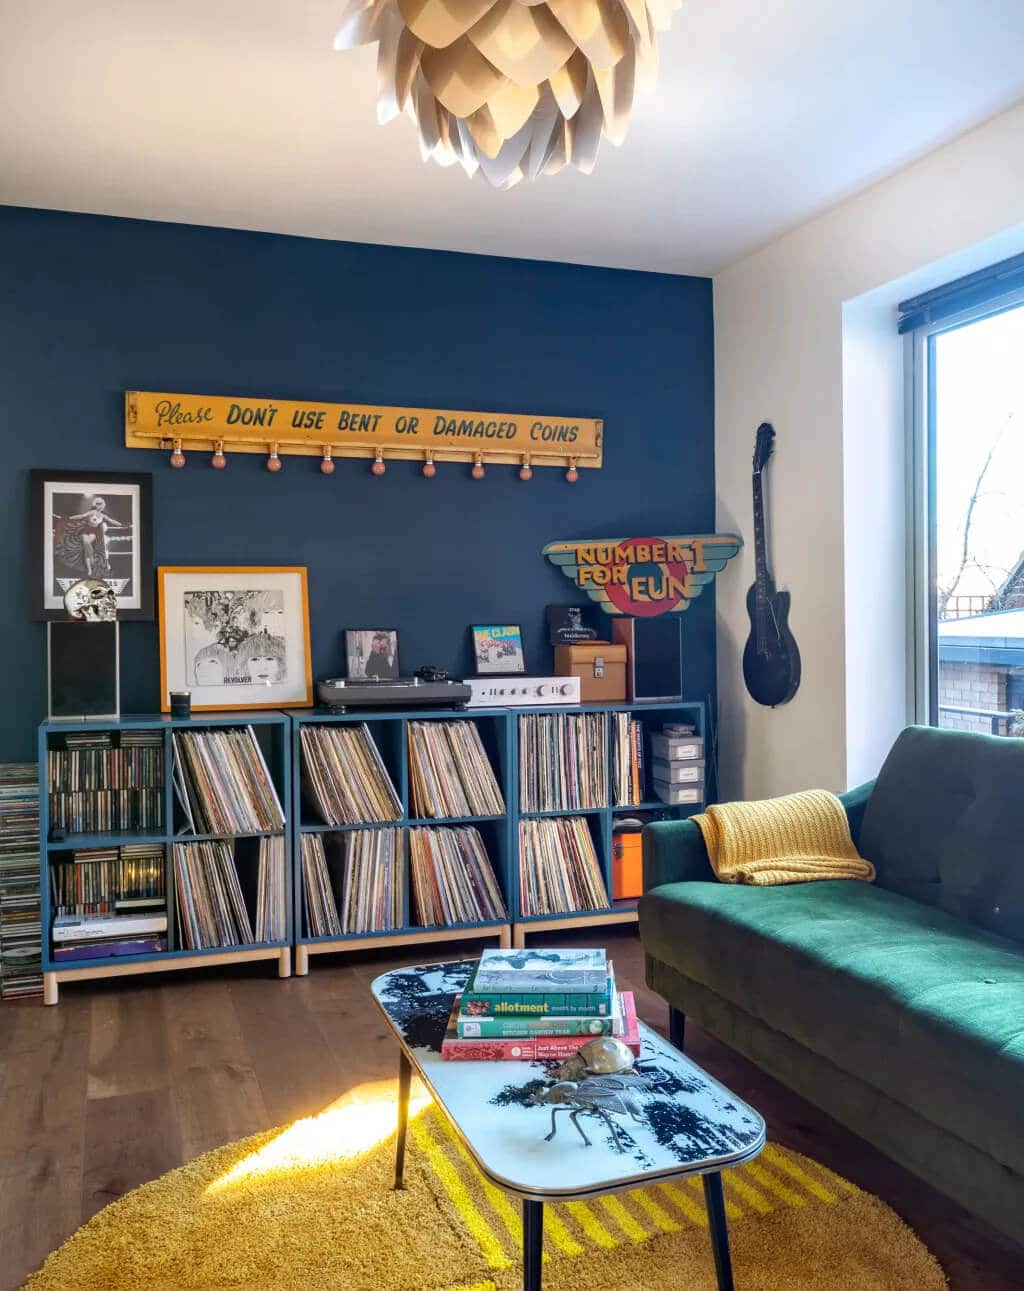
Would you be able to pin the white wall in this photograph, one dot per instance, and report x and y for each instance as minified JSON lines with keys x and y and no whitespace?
{"x":806,"y":339}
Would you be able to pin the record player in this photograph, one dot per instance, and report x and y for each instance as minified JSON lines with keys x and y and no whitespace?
{"x":343,"y":693}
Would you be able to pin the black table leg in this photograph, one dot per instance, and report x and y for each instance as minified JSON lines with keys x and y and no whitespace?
{"x":533,"y":1243}
{"x":404,"y":1081}
{"x":676,"y":1028}
{"x":714,"y":1200}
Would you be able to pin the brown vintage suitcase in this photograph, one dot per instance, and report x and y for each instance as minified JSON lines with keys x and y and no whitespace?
{"x":600,"y":666}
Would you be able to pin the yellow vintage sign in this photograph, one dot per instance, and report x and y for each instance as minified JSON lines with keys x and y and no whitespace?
{"x":156,"y":420}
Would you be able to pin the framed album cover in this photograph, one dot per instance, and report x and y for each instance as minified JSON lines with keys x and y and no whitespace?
{"x":235,"y":637}
{"x":90,"y":524}
{"x":498,"y":648}
{"x":372,"y":654}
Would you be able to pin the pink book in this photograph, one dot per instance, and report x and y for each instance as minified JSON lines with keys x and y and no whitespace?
{"x":542,"y":1049}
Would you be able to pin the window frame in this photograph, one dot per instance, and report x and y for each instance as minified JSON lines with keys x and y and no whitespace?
{"x":922,"y":620}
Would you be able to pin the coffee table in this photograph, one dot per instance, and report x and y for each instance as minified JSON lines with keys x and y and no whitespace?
{"x":688,"y":1124}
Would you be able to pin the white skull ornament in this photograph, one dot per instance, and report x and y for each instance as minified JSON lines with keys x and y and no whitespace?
{"x":92,"y":600}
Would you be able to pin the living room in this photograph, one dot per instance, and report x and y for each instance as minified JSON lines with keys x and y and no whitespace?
{"x":511,"y":504}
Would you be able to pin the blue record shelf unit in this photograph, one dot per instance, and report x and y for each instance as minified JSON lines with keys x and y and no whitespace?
{"x":272,"y":731}
{"x":390,"y":732}
{"x":499,"y":730}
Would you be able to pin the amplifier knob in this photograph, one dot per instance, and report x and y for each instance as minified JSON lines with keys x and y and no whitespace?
{"x":565,"y":689}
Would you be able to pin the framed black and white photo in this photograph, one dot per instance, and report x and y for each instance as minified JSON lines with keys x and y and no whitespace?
{"x":235,"y":637}
{"x":372,"y":654}
{"x":90,"y":524}
{"x":498,"y":648}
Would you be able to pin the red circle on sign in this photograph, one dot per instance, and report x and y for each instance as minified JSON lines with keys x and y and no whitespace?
{"x":620,"y":594}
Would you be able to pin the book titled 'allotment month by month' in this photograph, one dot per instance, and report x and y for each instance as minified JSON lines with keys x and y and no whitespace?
{"x":538,"y":1048}
{"x":555,"y":1003}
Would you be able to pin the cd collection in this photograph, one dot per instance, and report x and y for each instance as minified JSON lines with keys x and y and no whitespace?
{"x":104,"y":880}
{"x":20,"y":966}
{"x":95,"y":787}
{"x":627,"y":760}
{"x":222,"y":782}
{"x":562,"y":761}
{"x":211,"y":905}
{"x":452,"y":877}
{"x":344,"y":776}
{"x":558,"y":867}
{"x":450,"y":773}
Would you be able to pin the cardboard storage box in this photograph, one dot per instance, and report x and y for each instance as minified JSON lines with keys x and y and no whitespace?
{"x":679,"y":795}
{"x":674,"y":748}
{"x":627,"y":865}
{"x":600,"y":666}
{"x":679,"y":772}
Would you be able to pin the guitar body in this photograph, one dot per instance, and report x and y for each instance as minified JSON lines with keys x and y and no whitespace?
{"x":771,"y":658}
{"x":772,"y":674}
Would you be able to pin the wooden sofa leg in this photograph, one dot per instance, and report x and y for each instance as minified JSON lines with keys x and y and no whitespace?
{"x":676,"y":1028}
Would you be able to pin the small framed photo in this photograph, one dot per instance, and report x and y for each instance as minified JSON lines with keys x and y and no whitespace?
{"x":372,"y":654}
{"x":498,"y":648}
{"x":235,"y":637}
{"x":90,"y":524}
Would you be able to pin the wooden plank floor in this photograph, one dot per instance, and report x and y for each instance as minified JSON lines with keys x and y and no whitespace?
{"x":128,"y":1078}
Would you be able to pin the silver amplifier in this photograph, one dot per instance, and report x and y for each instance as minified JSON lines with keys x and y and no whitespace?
{"x":521,"y":692}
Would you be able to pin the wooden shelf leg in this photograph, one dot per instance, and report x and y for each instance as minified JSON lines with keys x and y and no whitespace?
{"x":50,"y":988}
{"x":301,"y":961}
{"x":518,"y":936}
{"x":505,"y":937}
{"x":284,"y":962}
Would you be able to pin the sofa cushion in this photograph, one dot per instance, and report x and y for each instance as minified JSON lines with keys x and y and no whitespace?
{"x":943,"y":825}
{"x":922,"y":1006}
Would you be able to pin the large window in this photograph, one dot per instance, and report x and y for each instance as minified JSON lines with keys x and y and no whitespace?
{"x":968,"y":507}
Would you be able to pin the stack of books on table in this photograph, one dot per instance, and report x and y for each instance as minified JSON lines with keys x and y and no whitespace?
{"x":538,"y":1005}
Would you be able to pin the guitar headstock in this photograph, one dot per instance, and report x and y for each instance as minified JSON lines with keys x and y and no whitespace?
{"x":764,"y":445}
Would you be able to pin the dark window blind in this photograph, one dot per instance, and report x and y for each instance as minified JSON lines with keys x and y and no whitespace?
{"x":975,"y":289}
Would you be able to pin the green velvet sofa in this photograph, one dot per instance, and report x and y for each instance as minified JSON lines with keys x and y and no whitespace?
{"x":898,"y":1006}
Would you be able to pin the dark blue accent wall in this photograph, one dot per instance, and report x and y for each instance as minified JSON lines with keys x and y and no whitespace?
{"x":91,"y":306}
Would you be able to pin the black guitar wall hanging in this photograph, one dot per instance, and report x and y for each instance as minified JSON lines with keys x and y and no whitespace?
{"x":771,"y":658}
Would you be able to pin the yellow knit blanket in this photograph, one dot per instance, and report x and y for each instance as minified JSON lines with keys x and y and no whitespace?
{"x":794,"y":839}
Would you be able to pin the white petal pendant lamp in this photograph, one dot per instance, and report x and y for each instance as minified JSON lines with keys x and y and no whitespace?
{"x":511,"y":89}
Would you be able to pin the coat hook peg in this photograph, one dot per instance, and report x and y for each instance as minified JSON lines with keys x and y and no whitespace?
{"x":273,"y":461}
{"x":526,"y":470}
{"x":429,"y":469}
{"x":177,"y":457}
{"x":218,"y":461}
{"x":378,"y":467}
{"x":478,"y":467}
{"x":327,"y":463}
{"x":572,"y":474}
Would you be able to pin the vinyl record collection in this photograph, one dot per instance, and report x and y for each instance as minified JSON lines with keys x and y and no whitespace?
{"x":628,"y":771}
{"x":97,"y":787}
{"x":558,"y":867}
{"x":366,"y":869}
{"x":452,"y":877}
{"x":345,"y":777}
{"x":20,"y":972}
{"x":105,"y":880}
{"x":450,"y":772}
{"x":562,"y":761}
{"x":223,"y":784}
{"x":211,"y":905}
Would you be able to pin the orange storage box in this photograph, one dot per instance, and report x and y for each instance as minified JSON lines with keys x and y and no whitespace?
{"x":627,"y":865}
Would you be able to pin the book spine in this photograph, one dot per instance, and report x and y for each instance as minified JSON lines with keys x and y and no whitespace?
{"x":111,"y":949}
{"x":523,"y":1006}
{"x":529,"y":1028}
{"x":520,"y":983}
{"x":543,"y":1049}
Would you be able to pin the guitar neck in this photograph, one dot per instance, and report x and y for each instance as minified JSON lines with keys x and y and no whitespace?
{"x":760,"y":540}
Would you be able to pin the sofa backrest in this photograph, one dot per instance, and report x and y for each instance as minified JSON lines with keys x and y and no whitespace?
{"x":945,"y":825}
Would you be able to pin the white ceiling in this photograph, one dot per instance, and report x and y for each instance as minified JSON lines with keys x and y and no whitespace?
{"x":239,"y":113}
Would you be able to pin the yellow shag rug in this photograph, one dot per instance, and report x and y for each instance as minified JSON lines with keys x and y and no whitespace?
{"x":311,"y":1205}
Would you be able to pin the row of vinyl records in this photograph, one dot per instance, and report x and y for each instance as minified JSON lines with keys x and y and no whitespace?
{"x":20,"y":929}
{"x":345,"y":780}
{"x":211,"y":890}
{"x":563,"y":764}
{"x":559,"y":870}
{"x":355,"y":882}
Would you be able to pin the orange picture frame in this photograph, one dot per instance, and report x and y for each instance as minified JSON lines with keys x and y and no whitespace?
{"x":232,"y":630}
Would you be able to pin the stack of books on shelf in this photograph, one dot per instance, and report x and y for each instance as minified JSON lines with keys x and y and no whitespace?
{"x":452,"y":878}
{"x":677,"y":765}
{"x":97,"y":788}
{"x":450,"y":771}
{"x":562,"y":761}
{"x":559,"y":870}
{"x":109,"y":901}
{"x":345,"y":777}
{"x":627,"y":760}
{"x":20,"y":930}
{"x":354,"y":882}
{"x":538,"y":1005}
{"x":223,"y":784}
